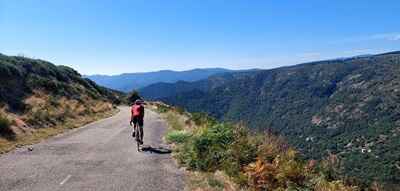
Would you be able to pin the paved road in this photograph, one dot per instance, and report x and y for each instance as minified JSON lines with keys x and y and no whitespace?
{"x":99,"y":156}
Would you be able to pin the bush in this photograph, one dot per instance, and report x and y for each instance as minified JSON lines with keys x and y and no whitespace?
{"x":281,"y":169}
{"x":203,"y":119}
{"x":179,"y":110}
{"x":39,"y":117}
{"x":218,"y":147}
{"x":258,"y":162}
{"x":208,"y":148}
{"x":242,"y":152}
{"x":255,"y":161}
{"x":178,"y":136}
{"x":5,"y":124}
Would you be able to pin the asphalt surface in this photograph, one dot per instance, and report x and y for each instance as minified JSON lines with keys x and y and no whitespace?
{"x":99,"y":156}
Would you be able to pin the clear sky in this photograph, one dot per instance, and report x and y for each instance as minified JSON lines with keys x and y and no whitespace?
{"x":116,"y":36}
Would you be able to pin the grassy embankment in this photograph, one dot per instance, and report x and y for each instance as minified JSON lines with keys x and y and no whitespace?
{"x":39,"y":99}
{"x":220,"y":156}
{"x":48,"y":116}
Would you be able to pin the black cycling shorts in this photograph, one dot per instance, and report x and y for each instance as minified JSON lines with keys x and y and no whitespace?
{"x":138,"y":120}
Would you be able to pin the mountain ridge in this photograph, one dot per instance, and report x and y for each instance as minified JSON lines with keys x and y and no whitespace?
{"x":159,"y":71}
{"x":129,"y":81}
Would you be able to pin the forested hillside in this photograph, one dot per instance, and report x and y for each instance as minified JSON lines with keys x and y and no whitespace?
{"x":347,"y":107}
{"x":130,"y":81}
{"x":37,"y":97}
{"x":162,"y":89}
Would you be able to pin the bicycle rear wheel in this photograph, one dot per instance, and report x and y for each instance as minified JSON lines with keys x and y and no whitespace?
{"x":137,"y":133}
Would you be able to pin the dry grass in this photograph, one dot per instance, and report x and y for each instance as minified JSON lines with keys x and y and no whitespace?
{"x":218,"y":181}
{"x":48,"y":116}
{"x":175,"y":122}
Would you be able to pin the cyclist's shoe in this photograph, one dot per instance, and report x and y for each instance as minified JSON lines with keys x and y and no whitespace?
{"x":141,"y":142}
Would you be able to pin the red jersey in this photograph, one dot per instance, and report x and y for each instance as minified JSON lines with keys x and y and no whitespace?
{"x":137,"y":110}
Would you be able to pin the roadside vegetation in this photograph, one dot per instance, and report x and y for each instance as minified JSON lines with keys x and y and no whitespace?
{"x":46,"y":116}
{"x":221,"y":156}
{"x":39,"y":99}
{"x":5,"y":126}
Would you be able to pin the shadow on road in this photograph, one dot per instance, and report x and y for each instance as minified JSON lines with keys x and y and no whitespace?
{"x":158,"y":150}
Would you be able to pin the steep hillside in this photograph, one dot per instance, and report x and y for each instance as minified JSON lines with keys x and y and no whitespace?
{"x":129,"y":81}
{"x":38,"y":99}
{"x":348,"y":107}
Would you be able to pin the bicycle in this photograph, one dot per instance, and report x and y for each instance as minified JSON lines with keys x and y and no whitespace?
{"x":137,"y":135}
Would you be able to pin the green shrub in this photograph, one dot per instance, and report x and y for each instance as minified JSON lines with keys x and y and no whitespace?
{"x":53,"y":101}
{"x":5,"y":124}
{"x":203,"y":119}
{"x":218,"y":147}
{"x":39,"y":117}
{"x":242,"y":152}
{"x":180,"y":110}
{"x":179,"y":136}
{"x":254,"y":162}
{"x":208,"y":148}
{"x":214,"y":183}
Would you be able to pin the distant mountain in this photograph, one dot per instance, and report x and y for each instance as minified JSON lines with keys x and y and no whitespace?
{"x":130,"y":81}
{"x":163,"y":89}
{"x":348,"y":107}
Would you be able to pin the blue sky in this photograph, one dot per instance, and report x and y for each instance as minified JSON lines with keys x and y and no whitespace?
{"x":111,"y":37}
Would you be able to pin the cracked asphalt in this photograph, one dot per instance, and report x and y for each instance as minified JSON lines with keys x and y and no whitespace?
{"x":96,"y":157}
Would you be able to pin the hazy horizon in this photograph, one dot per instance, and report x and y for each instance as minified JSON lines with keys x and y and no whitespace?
{"x":109,"y":38}
{"x":150,"y":71}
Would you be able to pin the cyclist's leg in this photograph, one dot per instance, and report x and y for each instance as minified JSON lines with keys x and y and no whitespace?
{"x":137,"y":137}
{"x":135,"y":124}
{"x":140,"y":123}
{"x":136,"y":131}
{"x":141,"y":134}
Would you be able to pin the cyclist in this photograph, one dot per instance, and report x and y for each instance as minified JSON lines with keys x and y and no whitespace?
{"x":137,"y":115}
